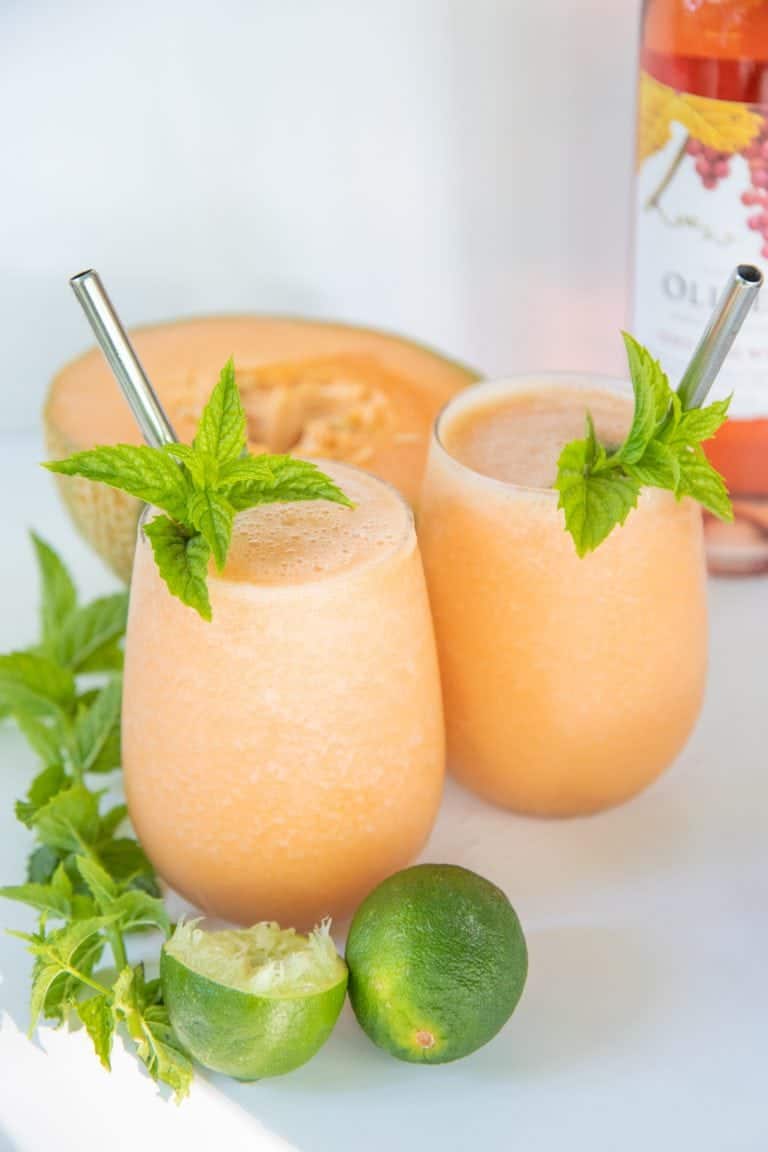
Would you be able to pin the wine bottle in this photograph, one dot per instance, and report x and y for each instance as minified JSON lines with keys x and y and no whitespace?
{"x":702,"y":207}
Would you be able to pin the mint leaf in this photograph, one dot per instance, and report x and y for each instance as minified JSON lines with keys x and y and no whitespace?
{"x":90,"y":631}
{"x":136,"y":909}
{"x":35,"y":684}
{"x":108,"y":658}
{"x":221,"y":431}
{"x":698,"y":424}
{"x":42,"y":1000}
{"x":203,"y":468}
{"x":66,"y":959}
{"x":61,"y":883}
{"x":41,"y":864}
{"x":43,"y":788}
{"x":182,"y":560}
{"x":593,"y":503}
{"x":212,"y":515}
{"x":127,"y":911}
{"x":644,"y":417}
{"x":272,"y":479}
{"x":101,"y":885}
{"x":44,"y":738}
{"x":127,"y":863}
{"x":95,"y":725}
{"x":63,"y":994}
{"x":99,"y":1020}
{"x":146,"y":1019}
{"x":658,"y":467}
{"x":145,"y":472}
{"x":111,"y":821}
{"x":69,"y":821}
{"x":110,"y":754}
{"x":598,"y":487}
{"x":59,"y":596}
{"x":702,"y":482}
{"x":40,"y":896}
{"x":53,"y":898}
{"x":652,"y":399}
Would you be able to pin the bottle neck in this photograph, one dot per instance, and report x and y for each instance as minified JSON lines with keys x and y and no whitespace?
{"x":707,"y":29}
{"x":713,"y":48}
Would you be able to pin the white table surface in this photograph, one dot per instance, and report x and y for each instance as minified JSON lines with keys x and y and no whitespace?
{"x":643,"y":1023}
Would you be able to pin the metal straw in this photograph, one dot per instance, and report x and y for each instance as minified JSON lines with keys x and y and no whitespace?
{"x":730,"y":313}
{"x":113,"y":340}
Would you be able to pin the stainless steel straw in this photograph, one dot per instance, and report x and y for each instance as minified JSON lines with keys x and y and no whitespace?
{"x":730,"y":313}
{"x":113,"y":340}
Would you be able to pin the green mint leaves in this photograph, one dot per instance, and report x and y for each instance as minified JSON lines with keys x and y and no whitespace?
{"x":199,"y":488}
{"x":182,"y":560}
{"x":593,"y":496}
{"x":599,"y":487}
{"x":90,"y":885}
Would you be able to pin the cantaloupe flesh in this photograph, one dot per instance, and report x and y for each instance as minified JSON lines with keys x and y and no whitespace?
{"x":294,"y":375}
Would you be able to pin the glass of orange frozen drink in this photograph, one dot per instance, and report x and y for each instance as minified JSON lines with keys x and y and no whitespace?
{"x":284,"y":758}
{"x":569,"y":684}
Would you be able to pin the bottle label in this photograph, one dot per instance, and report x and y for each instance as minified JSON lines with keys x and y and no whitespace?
{"x":702,"y":208}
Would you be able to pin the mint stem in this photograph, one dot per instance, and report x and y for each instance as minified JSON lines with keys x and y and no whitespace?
{"x":87,"y":980}
{"x":118,"y":948}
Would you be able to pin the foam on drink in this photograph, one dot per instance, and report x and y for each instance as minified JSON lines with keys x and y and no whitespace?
{"x":312,"y":540}
{"x":519,"y":439}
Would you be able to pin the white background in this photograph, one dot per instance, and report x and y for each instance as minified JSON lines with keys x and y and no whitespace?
{"x":458,"y":170}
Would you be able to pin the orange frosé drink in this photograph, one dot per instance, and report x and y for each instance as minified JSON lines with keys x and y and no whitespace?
{"x":569,"y":684}
{"x":284,"y":758}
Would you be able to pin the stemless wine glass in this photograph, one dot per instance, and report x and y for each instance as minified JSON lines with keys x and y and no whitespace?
{"x":568,"y":684}
{"x":284,"y":758}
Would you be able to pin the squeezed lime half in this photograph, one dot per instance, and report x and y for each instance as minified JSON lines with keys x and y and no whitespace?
{"x":252,"y":1002}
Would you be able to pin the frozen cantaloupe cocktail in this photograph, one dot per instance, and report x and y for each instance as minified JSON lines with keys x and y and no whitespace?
{"x":284,"y":758}
{"x":568,"y":683}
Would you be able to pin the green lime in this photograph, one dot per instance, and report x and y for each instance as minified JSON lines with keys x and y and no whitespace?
{"x":437,"y":963}
{"x":254,"y":1002}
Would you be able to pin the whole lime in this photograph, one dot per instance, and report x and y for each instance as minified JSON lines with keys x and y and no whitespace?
{"x":437,"y":963}
{"x":255,"y":1002}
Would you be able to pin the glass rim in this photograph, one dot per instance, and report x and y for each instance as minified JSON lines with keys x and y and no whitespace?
{"x":252,"y":587}
{"x":467,"y":398}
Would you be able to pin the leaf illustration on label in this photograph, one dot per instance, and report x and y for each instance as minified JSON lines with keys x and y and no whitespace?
{"x":724,"y":125}
{"x":654,"y":118}
{"x":721,"y":124}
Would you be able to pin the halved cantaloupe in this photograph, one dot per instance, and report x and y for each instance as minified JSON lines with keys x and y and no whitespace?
{"x":308,"y":387}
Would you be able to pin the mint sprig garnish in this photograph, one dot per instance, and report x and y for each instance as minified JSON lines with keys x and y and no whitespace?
{"x":200,"y":487}
{"x":89,"y":883}
{"x":599,"y":486}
